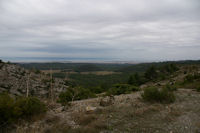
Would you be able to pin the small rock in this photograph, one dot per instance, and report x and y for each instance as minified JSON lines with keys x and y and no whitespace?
{"x":90,"y":109}
{"x":59,"y":110}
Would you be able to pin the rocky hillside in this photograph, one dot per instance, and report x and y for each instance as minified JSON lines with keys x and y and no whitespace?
{"x":15,"y":80}
{"x":128,"y":113}
{"x":125,"y":113}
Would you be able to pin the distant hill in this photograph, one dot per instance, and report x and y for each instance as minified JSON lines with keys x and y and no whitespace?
{"x":79,"y":67}
{"x":143,"y":66}
{"x":83,"y":67}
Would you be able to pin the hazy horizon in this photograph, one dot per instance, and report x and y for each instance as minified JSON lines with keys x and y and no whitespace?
{"x":92,"y":30}
{"x":79,"y":60}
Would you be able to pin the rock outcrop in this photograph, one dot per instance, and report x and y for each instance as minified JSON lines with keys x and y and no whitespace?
{"x":15,"y":80}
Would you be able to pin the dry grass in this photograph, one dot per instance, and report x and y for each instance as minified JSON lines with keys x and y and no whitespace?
{"x":59,"y":128}
{"x":90,"y":123}
{"x":85,"y":119}
{"x":36,"y":117}
{"x":172,"y":114}
{"x":146,"y":110}
{"x":52,"y":119}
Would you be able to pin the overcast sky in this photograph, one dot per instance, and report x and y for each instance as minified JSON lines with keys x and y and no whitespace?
{"x":129,"y":30}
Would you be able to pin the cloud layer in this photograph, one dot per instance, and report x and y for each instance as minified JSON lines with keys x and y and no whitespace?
{"x":144,"y":30}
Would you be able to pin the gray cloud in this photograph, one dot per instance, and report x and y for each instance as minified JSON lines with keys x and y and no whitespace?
{"x":115,"y":29}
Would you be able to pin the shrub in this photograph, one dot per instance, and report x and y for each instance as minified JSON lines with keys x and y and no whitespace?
{"x":37,"y":71}
{"x":158,"y":95}
{"x":11,"y":110}
{"x":84,"y":93}
{"x":30,"y":106}
{"x":6,"y":109}
{"x":65,"y":97}
{"x":191,"y":78}
{"x":169,"y":68}
{"x":75,"y":93}
{"x":171,"y":87}
{"x":136,"y":80}
{"x":151,"y":73}
{"x":198,"y":88}
{"x":121,"y":89}
{"x":97,"y":89}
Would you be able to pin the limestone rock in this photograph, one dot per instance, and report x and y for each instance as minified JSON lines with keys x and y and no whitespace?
{"x":90,"y":109}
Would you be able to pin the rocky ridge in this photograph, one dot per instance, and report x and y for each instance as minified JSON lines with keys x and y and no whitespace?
{"x":15,"y":80}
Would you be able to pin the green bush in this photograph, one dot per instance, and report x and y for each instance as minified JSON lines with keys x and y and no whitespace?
{"x":121,"y":89}
{"x":158,"y":95}
{"x":171,"y":87}
{"x":30,"y":106}
{"x":6,"y":108}
{"x":160,"y":73}
{"x":191,"y":81}
{"x":75,"y":93}
{"x":198,"y":88}
{"x":11,"y":109}
{"x":169,"y":68}
{"x":136,"y":80}
{"x":191,"y":78}
{"x":37,"y":71}
{"x":151,"y":73}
